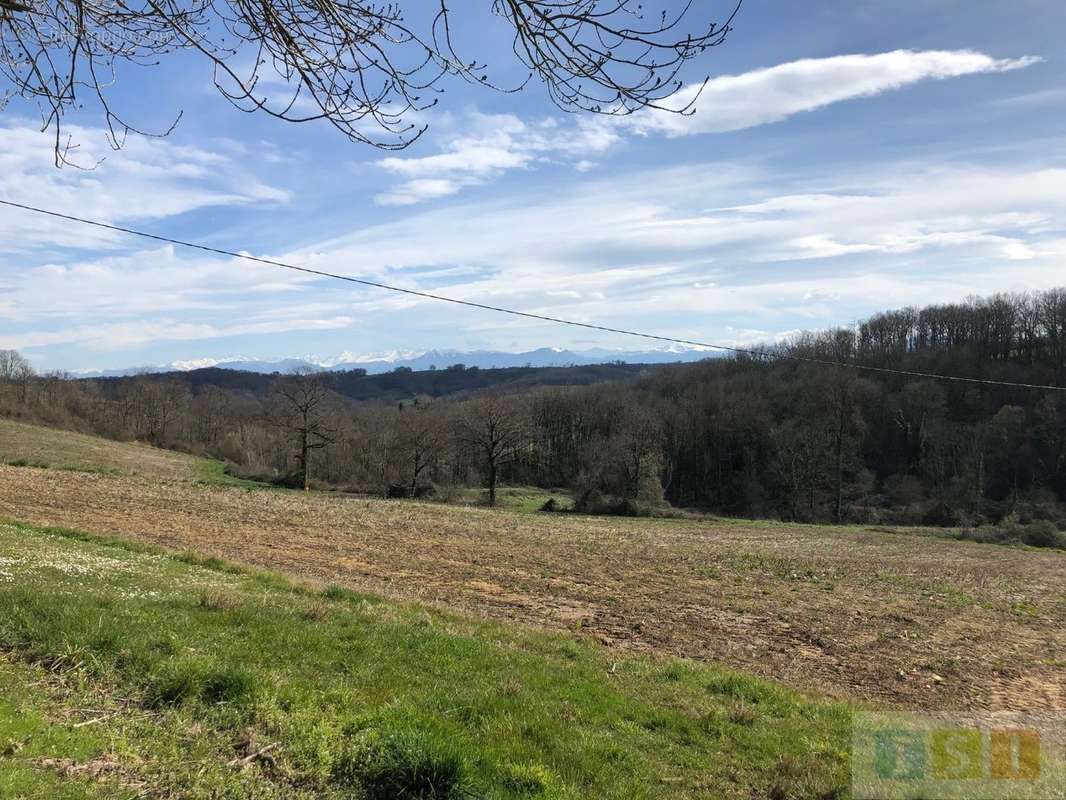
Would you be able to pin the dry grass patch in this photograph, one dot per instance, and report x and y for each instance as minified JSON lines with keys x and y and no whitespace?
{"x":35,"y":446}
{"x":218,"y":600}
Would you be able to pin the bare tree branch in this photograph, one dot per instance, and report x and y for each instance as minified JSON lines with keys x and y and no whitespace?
{"x":360,"y":66}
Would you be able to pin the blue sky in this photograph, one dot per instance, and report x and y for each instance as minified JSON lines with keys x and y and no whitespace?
{"x":844,"y":159}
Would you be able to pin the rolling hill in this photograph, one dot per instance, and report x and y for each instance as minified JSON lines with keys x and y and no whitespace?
{"x":409,"y":649}
{"x":22,"y":444}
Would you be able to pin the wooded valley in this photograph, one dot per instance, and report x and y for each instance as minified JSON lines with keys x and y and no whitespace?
{"x":758,"y":435}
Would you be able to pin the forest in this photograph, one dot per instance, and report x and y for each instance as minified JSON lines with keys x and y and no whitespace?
{"x":761,"y":434}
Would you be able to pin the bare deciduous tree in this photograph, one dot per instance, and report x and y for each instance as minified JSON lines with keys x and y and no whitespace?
{"x":494,"y":427}
{"x":159,"y":403}
{"x":367,"y":68}
{"x":421,"y":439}
{"x":16,"y":370}
{"x":12,"y":362}
{"x":299,"y":408}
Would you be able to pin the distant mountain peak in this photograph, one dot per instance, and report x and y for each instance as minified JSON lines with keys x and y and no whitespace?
{"x":422,"y":360}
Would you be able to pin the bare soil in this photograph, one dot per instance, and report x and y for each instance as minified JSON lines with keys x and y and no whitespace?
{"x":896,"y":618}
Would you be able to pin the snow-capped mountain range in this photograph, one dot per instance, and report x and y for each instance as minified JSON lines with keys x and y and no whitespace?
{"x":430,"y":359}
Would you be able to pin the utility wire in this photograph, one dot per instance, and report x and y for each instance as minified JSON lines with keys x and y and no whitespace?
{"x":758,"y":354}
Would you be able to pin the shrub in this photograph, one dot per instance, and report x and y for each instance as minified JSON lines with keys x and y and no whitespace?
{"x":627,"y":508}
{"x":591,"y":501}
{"x":941,"y":515}
{"x":595,"y":502}
{"x":288,"y":480}
{"x":868,"y":514}
{"x":1042,"y":533}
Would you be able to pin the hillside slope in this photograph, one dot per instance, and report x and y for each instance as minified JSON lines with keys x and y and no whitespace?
{"x":909,"y":619}
{"x":23,"y":444}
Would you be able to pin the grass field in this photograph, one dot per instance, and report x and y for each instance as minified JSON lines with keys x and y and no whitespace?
{"x":908,"y":619}
{"x":130,"y":673}
{"x":31,"y":445}
{"x":522,"y":499}
{"x":25,"y":445}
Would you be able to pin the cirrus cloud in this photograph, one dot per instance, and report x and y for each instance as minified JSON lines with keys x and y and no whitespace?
{"x":492,"y":145}
{"x":762,"y":96}
{"x":148,"y":179}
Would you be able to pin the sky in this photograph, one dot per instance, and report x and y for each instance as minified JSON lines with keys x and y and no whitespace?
{"x":843,"y":159}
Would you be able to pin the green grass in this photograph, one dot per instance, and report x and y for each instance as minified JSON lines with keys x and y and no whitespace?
{"x":361,"y":697}
{"x":522,"y":499}
{"x":204,"y":470}
{"x":214,"y":473}
{"x":527,"y":500}
{"x":27,"y":734}
{"x":33,"y":464}
{"x":26,"y":445}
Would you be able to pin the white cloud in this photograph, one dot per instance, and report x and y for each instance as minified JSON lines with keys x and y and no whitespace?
{"x":146,"y":179}
{"x":490,"y":145}
{"x":144,"y":282}
{"x":494,"y":144}
{"x":419,"y":189}
{"x":824,"y":246}
{"x":630,"y":250}
{"x":118,"y":336}
{"x":735,"y":102}
{"x":1042,"y":97}
{"x":627,"y":249}
{"x":474,"y":157}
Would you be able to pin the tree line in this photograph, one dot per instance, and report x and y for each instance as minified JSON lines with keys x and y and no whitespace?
{"x":754,"y":435}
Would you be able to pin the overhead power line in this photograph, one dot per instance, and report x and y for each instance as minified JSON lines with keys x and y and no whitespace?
{"x":759,"y":354}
